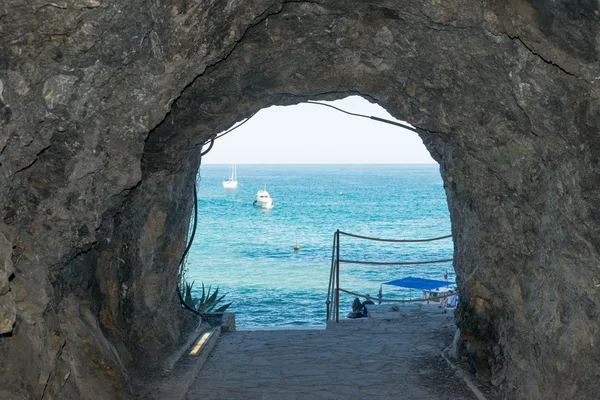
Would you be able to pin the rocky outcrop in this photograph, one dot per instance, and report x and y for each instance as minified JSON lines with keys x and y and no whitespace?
{"x":104,"y":107}
{"x":8,"y":311}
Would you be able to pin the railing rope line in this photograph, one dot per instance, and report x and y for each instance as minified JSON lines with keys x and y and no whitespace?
{"x":395,"y":300}
{"x":394,"y":262}
{"x":394,"y":240}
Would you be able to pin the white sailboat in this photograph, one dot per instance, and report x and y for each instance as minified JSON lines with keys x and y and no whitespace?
{"x":232,"y":182}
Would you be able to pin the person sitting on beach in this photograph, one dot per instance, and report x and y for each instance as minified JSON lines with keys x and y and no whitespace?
{"x":365,"y":312}
{"x":450,"y":301}
{"x":356,"y":309}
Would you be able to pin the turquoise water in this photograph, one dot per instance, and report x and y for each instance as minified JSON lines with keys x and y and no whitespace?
{"x":248,"y":252}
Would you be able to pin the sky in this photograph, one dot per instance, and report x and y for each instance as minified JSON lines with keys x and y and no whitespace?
{"x":313,"y":134}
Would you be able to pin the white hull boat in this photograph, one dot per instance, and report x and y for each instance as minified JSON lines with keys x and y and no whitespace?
{"x":232,"y":182}
{"x":263,"y":199}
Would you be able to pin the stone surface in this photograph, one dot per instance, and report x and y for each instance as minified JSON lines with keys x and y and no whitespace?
{"x":6,"y":265}
{"x":105,"y":105}
{"x":228,"y":324}
{"x":8,"y":313}
{"x":385,"y":358}
{"x":8,"y":310}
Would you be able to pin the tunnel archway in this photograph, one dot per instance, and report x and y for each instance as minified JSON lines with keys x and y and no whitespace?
{"x":346,"y":172}
{"x":99,"y":160}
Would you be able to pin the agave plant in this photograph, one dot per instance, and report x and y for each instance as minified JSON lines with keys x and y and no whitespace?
{"x":189,"y":299}
{"x":207,"y":302}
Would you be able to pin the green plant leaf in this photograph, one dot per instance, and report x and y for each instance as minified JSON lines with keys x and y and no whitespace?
{"x":203,"y":294}
{"x":224,"y":307}
{"x":188,"y":299}
{"x":212,"y":298}
{"x":207,"y":301}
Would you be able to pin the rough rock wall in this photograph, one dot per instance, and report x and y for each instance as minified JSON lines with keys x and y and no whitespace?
{"x":104,"y":106}
{"x":87,"y":281}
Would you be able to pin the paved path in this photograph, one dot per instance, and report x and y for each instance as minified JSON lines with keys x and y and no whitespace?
{"x":386,"y":357}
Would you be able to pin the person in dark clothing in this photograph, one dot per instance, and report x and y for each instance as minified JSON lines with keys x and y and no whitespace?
{"x":356,"y":309}
{"x":365,"y":312}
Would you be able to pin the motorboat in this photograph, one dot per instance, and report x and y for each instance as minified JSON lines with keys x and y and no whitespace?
{"x":232,"y":182}
{"x":263,"y":199}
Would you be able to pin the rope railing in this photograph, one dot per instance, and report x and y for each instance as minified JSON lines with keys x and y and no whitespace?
{"x":394,"y":240}
{"x":364,"y":296}
{"x":394,"y":262}
{"x":333,"y":292}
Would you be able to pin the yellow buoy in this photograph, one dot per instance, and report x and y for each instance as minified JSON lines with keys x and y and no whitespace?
{"x":296,"y":247}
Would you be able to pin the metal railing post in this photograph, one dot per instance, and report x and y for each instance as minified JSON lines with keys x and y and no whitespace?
{"x":337,"y":278}
{"x":330,"y":290}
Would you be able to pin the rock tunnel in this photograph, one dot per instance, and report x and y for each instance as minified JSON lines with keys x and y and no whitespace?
{"x":106,"y":104}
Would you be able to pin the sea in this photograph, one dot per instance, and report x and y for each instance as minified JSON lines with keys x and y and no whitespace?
{"x":248,"y":252}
